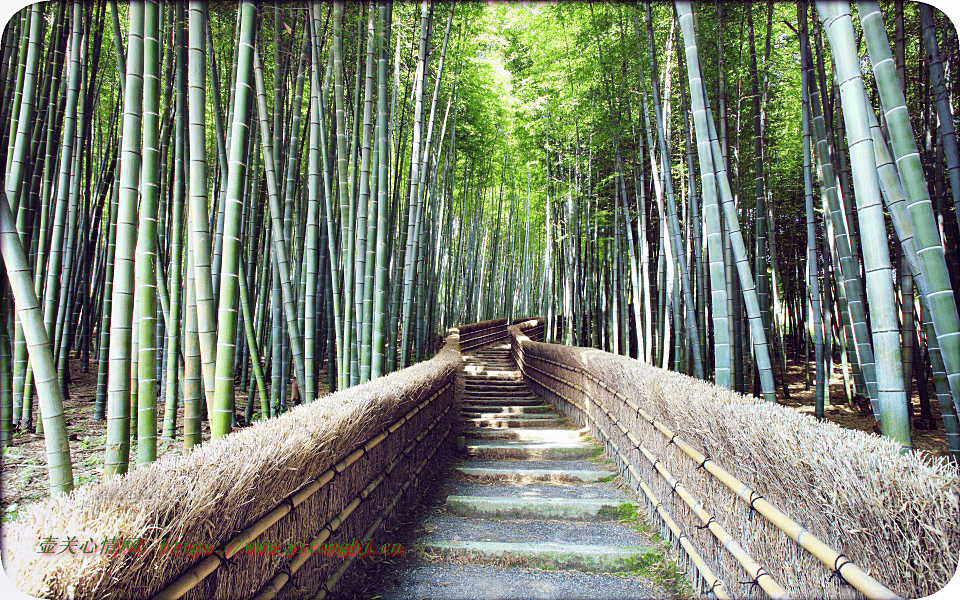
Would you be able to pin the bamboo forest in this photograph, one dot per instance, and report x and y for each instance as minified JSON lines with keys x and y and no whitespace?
{"x":711,"y":246}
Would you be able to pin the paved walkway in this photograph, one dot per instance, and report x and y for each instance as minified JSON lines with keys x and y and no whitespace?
{"x":530,"y":513}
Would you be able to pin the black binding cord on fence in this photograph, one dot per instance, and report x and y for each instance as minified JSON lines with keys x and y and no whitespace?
{"x":753,"y":498}
{"x":707,"y":524}
{"x":837,"y":565}
{"x":221,"y":555}
{"x":716,"y":582}
{"x":756,"y":580}
{"x":673,"y":488}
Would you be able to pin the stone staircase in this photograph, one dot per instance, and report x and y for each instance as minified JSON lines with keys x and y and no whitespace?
{"x":530,"y":513}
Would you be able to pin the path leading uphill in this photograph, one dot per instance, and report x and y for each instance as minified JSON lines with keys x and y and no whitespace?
{"x":530,"y":513}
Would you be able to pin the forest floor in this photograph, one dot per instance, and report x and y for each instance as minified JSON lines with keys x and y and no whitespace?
{"x":23,"y":471}
{"x":23,"y":465}
{"x":837,"y":410}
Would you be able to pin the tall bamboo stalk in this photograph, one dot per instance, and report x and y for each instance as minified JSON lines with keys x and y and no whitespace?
{"x":886,"y":339}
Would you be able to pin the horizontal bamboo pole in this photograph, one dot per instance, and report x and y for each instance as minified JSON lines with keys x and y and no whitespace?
{"x":855,"y":576}
{"x":274,"y":585}
{"x":190,"y":579}
{"x":482,"y":340}
{"x":751,"y":566}
{"x":836,"y":561}
{"x":851,"y":573}
{"x":481,"y":336}
{"x":193,"y":576}
{"x":754,"y":569}
{"x":333,"y":581}
{"x":716,"y":584}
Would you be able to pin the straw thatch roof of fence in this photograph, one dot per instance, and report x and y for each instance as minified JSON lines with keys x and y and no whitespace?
{"x":895,"y":515}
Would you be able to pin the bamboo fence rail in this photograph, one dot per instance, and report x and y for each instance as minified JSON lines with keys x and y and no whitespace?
{"x":651,"y":421}
{"x":335,"y":470}
{"x":480,"y":334}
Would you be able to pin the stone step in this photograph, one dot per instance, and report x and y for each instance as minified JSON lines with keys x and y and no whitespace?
{"x":530,"y":450}
{"x":440,"y":525}
{"x":489,"y":360}
{"x":522,"y":475}
{"x":527,"y":434}
{"x":497,"y":415}
{"x":494,"y":391}
{"x":511,"y":391}
{"x":493,"y":375}
{"x":483,"y":360}
{"x":458,"y":581}
{"x":559,"y":509}
{"x":499,"y":391}
{"x":503,"y":401}
{"x":496,"y":401}
{"x":490,"y":433}
{"x":500,"y":378}
{"x":498,"y":411}
{"x":462,"y":486}
{"x":488,"y":363}
{"x":543,"y":555}
{"x":485,"y":383}
{"x":518,"y":421}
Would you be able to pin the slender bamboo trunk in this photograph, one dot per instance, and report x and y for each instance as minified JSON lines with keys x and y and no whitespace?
{"x":886,"y":340}
{"x":118,"y":390}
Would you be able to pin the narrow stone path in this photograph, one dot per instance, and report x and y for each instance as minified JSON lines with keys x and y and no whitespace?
{"x":530,"y":513}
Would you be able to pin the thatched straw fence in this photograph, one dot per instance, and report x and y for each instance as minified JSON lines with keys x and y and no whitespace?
{"x":480,"y":334}
{"x":759,"y":500}
{"x":486,"y":332}
{"x":332,"y":471}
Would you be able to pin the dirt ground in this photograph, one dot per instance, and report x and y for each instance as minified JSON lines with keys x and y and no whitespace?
{"x":23,"y":465}
{"x":837,"y":411}
{"x":23,"y":473}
